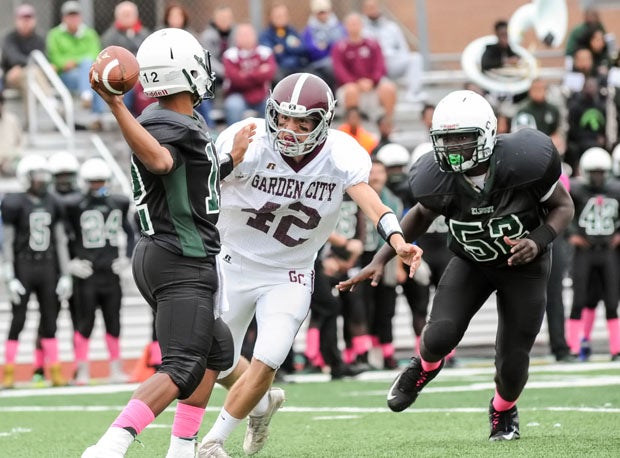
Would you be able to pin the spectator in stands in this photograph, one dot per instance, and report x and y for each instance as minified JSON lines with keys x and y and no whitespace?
{"x":322,"y":31}
{"x":586,"y":122}
{"x":385,"y":125}
{"x":400,"y":61}
{"x":594,"y":39}
{"x":285,"y":41}
{"x":545,"y":116}
{"x":353,"y":126}
{"x":126,"y":31}
{"x":176,"y":17}
{"x":499,"y":58}
{"x":17,"y":46}
{"x":591,"y":19}
{"x":72,"y":47}
{"x":218,"y":37}
{"x":427,"y":117}
{"x":360,"y":71}
{"x":12,"y":144}
{"x":249,"y":69}
{"x":500,"y":54}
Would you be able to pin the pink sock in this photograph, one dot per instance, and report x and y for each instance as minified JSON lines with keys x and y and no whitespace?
{"x":50,"y":350}
{"x":318,"y":361}
{"x":587,"y":321}
{"x":154,"y":354}
{"x":312,"y":343}
{"x":348,"y":355}
{"x":114,"y":347}
{"x":10,"y":352}
{"x":361,"y":344}
{"x":451,"y":354}
{"x":136,"y":415}
{"x":387,"y":350}
{"x":187,"y":420}
{"x":374,"y":341}
{"x":80,"y":347}
{"x":428,"y":366}
{"x":417,"y":344}
{"x":573,"y":334}
{"x":39,"y":360}
{"x":613,"y":329}
{"x":500,"y":404}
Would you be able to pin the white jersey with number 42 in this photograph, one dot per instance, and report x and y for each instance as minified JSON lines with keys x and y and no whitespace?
{"x":275,"y":215}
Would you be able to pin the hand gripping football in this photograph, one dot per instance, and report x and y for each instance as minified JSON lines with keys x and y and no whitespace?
{"x":115,"y":70}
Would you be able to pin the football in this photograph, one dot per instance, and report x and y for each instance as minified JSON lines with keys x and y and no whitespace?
{"x":115,"y":70}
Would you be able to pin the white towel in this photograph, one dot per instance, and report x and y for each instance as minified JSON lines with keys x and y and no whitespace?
{"x":220,"y":302}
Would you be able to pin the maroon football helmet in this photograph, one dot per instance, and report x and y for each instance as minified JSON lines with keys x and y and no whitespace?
{"x":300,"y":95}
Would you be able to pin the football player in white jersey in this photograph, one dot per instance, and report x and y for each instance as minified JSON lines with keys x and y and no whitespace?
{"x":278,"y":207}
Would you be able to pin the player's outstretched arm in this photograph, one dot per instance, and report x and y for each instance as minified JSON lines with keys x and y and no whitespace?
{"x":391,"y":231}
{"x":155,"y":157}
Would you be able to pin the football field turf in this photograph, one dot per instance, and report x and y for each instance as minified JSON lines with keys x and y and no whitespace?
{"x":570,"y":410}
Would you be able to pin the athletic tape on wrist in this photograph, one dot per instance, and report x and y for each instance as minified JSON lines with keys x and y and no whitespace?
{"x":388,"y":225}
{"x":542,"y":236}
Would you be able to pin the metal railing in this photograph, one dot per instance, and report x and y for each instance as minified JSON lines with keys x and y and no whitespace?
{"x":63,"y":115}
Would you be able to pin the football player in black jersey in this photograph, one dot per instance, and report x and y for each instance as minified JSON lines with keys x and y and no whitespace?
{"x":594,"y":235}
{"x":94,"y":220}
{"x":175,"y":174}
{"x":503,"y":206}
{"x":34,"y":251}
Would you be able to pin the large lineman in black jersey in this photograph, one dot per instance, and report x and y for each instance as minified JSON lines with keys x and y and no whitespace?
{"x":34,"y":249}
{"x":503,"y":206}
{"x":94,"y":220}
{"x":508,"y":205}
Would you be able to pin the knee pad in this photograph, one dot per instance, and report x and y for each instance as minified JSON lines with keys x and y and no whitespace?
{"x":185,"y":370}
{"x":438,"y":339}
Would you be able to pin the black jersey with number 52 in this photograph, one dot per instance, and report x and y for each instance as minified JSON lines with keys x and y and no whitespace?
{"x":523,"y":168}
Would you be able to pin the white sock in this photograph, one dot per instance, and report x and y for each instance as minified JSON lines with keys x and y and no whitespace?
{"x":116,"y":440}
{"x":182,"y":448}
{"x":224,"y":425}
{"x":261,"y":408}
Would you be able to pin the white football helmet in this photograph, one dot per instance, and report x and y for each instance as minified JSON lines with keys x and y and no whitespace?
{"x":64,"y":167}
{"x":420,"y":150}
{"x":615,"y":161}
{"x":94,"y":176}
{"x":172,"y":61}
{"x":594,"y":159}
{"x":33,"y":173}
{"x":63,"y":162}
{"x":393,"y":155}
{"x":95,"y":169}
{"x":299,"y":95}
{"x":463,"y":112}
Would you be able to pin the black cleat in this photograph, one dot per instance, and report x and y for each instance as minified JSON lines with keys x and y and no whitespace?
{"x":504,"y":425}
{"x":408,"y":384}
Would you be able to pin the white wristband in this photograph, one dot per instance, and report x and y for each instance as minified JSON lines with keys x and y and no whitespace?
{"x":388,"y":225}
